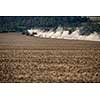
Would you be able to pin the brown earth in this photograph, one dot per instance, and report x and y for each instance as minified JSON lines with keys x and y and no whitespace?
{"x":29,"y":59}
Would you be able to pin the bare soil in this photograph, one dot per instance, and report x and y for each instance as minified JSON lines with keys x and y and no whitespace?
{"x":30,"y":59}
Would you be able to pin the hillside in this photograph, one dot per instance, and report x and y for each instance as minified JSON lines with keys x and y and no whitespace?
{"x":20,"y":23}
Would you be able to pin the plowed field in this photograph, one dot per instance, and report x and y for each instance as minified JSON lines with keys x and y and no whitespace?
{"x":31,"y":59}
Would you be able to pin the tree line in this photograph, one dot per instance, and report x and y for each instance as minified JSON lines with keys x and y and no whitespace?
{"x":21,"y":23}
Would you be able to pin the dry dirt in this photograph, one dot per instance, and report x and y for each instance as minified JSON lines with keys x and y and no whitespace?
{"x":30,"y":59}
